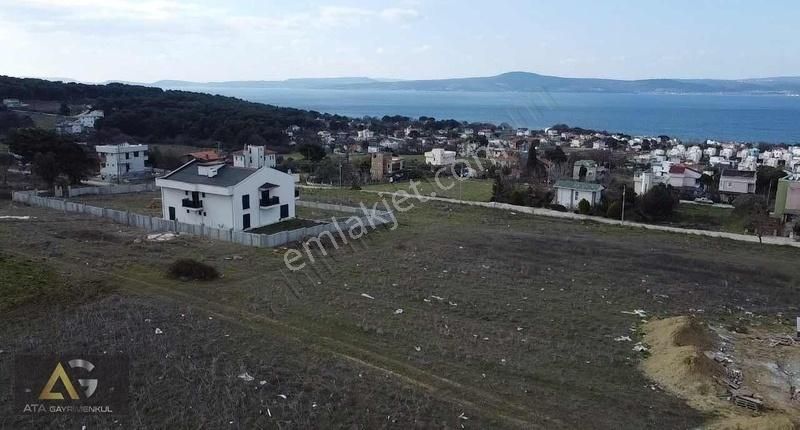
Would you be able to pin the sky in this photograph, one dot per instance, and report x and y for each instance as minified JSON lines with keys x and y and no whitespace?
{"x":199,"y":40}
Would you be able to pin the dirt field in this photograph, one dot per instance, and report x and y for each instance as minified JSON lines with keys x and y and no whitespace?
{"x":460,"y":317}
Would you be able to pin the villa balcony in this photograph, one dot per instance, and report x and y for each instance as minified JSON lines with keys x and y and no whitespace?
{"x":191,"y":204}
{"x":270,"y":202}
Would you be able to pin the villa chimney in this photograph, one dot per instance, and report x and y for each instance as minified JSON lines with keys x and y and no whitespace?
{"x":209,"y":169}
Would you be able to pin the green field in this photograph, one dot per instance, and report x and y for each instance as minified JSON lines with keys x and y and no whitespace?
{"x":707,"y":217}
{"x":479,"y":190}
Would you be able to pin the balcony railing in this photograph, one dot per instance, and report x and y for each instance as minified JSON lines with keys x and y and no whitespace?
{"x":191,"y":204}
{"x":272,"y":201}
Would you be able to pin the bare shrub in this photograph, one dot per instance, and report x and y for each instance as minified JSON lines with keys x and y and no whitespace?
{"x":188,"y":269}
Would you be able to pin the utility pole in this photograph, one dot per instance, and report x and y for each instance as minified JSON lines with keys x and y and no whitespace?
{"x":624,"y":190}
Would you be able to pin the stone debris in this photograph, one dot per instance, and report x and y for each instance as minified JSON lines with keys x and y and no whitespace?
{"x":638,"y":312}
{"x":367,"y":296}
{"x":161,"y":237}
{"x":622,"y":339}
{"x":246,"y":377}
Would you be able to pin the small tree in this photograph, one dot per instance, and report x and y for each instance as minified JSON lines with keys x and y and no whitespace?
{"x":6,"y":161}
{"x":658,"y":202}
{"x":614,"y":210}
{"x":752,"y":210}
{"x":584,"y":207}
{"x":45,"y":166}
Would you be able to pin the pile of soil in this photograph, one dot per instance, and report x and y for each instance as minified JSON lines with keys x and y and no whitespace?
{"x":678,"y":363}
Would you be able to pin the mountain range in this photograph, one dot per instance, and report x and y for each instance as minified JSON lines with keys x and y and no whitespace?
{"x":521,"y":82}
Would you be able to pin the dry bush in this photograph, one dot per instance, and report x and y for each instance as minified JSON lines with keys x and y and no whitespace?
{"x":188,"y":269}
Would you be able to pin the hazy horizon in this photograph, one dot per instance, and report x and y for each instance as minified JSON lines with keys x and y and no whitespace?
{"x":151,"y":40}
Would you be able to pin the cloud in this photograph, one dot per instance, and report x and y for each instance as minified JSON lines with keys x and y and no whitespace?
{"x":399,"y":15}
{"x":422,"y":48}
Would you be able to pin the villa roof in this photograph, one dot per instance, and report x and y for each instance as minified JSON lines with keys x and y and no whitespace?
{"x":578,"y":185}
{"x":227,"y":175}
{"x":739,"y":173}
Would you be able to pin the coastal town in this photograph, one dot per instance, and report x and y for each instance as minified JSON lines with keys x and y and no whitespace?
{"x":377,"y":252}
{"x":562,"y":168}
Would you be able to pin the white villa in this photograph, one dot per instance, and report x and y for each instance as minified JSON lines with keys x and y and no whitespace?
{"x":570,"y":192}
{"x":254,"y":157}
{"x":227,"y":197}
{"x":439,"y":157}
{"x":89,"y":118}
{"x":122,"y":160}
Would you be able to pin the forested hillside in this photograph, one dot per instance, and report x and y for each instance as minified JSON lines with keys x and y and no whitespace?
{"x":156,"y":115}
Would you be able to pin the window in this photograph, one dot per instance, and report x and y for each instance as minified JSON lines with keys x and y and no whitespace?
{"x":284,"y":211}
{"x":127,"y":155}
{"x":245,"y":221}
{"x":135,"y":154}
{"x":246,"y":201}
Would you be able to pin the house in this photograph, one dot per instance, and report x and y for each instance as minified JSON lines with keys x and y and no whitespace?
{"x":204,"y":155}
{"x":682,"y":176}
{"x":569,"y":193}
{"x":385,"y":164}
{"x":254,"y":157}
{"x":69,"y":127}
{"x":117,"y":161}
{"x":12,"y":103}
{"x":787,"y":198}
{"x":591,"y":170}
{"x":89,"y":118}
{"x":438,"y":157}
{"x":642,"y":182}
{"x":227,"y":197}
{"x":364,"y":135}
{"x":735,"y":182}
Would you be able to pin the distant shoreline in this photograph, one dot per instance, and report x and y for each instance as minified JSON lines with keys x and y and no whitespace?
{"x":754,"y":118}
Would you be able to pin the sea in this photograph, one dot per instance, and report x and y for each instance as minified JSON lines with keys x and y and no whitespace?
{"x":693,"y":117}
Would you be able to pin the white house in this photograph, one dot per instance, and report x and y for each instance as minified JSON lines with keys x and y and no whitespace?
{"x":642,"y":182}
{"x":364,"y":135}
{"x":254,"y":157}
{"x":439,"y":157}
{"x":12,"y":103}
{"x":89,"y":118}
{"x":227,"y":197}
{"x":682,"y":176}
{"x":122,"y":160}
{"x":734,"y":182}
{"x":591,"y":170}
{"x":569,"y":193}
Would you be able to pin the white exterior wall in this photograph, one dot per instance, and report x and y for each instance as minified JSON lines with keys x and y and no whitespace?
{"x":122,"y":159}
{"x":570,"y":198}
{"x":440,"y":157}
{"x":736,"y":185}
{"x":222,"y":207}
{"x":254,"y":157}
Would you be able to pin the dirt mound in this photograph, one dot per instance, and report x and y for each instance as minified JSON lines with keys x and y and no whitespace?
{"x":677,"y":361}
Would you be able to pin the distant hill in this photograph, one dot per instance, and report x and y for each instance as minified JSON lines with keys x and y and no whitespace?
{"x":524,"y":82}
{"x":309,"y":83}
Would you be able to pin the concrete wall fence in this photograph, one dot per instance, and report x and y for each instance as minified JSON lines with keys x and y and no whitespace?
{"x":154,"y":224}
{"x":116,"y":189}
